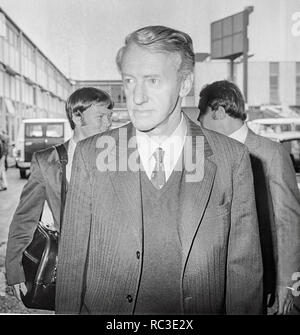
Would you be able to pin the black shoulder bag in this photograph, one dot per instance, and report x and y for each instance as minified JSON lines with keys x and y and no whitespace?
{"x":40,"y":257}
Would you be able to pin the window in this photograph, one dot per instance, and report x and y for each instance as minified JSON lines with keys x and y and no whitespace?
{"x":12,"y":36}
{"x":276,"y":128}
{"x":18,"y":84}
{"x":33,"y":130}
{"x":55,"y":130}
{"x":6,"y":85}
{"x":274,"y":83}
{"x":13,"y":88}
{"x":34,"y":91}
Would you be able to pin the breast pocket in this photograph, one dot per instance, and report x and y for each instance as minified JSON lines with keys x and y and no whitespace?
{"x":217,"y":210}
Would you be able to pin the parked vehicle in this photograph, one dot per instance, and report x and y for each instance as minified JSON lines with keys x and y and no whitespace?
{"x":291,"y":142}
{"x":274,"y":125}
{"x":38,"y":134}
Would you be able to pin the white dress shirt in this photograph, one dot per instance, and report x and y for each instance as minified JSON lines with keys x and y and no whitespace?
{"x":71,"y":150}
{"x":172,"y":147}
{"x":240,"y":134}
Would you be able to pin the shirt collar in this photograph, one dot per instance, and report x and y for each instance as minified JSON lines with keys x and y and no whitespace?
{"x":72,"y":144}
{"x":240,"y":134}
{"x":172,"y":147}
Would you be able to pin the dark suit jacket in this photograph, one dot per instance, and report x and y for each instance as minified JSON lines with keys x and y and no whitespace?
{"x":278,"y":209}
{"x":97,"y":264}
{"x":43,"y":185}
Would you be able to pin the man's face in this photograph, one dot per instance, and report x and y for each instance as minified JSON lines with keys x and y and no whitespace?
{"x":151,"y":85}
{"x":97,"y":117}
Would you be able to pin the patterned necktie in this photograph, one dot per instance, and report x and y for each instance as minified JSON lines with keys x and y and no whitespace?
{"x":158,"y":176}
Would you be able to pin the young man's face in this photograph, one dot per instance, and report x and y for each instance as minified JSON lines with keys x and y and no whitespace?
{"x":98,"y":117}
{"x":151,"y":84}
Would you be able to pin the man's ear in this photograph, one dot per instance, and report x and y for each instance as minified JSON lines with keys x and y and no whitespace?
{"x":77,"y":120}
{"x":219,"y":114}
{"x":186,"y":84}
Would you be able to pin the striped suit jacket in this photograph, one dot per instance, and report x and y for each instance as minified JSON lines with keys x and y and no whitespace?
{"x":44,"y":184}
{"x":278,"y":209}
{"x":98,"y":271}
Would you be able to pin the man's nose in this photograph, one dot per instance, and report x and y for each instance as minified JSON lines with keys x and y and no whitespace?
{"x":140,"y":94}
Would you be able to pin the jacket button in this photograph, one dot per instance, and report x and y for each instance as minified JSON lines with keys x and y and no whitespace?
{"x":129,"y":298}
{"x":138,"y":255}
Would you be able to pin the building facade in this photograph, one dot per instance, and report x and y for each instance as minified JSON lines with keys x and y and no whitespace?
{"x":269,"y":83}
{"x":273,"y":57}
{"x":31,"y":86}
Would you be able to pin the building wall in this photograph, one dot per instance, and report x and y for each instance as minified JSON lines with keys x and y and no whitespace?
{"x":287,"y":83}
{"x":30,"y":84}
{"x":259,"y":81}
{"x":207,"y":72}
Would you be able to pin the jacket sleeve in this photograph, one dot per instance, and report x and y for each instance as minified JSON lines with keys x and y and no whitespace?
{"x":244,"y":262}
{"x":24,"y":223}
{"x":73,"y":245}
{"x":286,"y":205}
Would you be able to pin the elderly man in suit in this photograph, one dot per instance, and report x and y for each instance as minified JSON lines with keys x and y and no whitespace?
{"x":89,"y":111}
{"x":222,"y":109}
{"x":160,"y":216}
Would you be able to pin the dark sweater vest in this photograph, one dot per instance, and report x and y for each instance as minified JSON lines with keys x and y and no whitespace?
{"x":159,"y":291}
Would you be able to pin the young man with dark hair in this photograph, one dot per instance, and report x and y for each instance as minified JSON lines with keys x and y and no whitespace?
{"x":222,"y":109}
{"x":89,"y":111}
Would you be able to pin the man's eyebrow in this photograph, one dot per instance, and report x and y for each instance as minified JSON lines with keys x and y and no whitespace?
{"x":151,"y":75}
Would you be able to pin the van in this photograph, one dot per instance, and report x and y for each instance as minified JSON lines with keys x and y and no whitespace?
{"x":38,"y":134}
{"x":274,"y":125}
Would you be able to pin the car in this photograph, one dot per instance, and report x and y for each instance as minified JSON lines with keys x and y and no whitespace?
{"x":38,"y":134}
{"x":269,"y":126}
{"x":291,"y":142}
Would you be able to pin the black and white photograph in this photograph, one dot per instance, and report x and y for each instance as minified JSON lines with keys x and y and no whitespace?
{"x":150,"y":160}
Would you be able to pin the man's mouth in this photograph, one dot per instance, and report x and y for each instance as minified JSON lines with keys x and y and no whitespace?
{"x":142,"y":111}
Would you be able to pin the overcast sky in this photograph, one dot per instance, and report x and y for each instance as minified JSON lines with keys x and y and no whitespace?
{"x":81,"y":37}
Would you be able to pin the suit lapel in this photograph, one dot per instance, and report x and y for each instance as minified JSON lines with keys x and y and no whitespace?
{"x":195,"y":195}
{"x":126,"y":183}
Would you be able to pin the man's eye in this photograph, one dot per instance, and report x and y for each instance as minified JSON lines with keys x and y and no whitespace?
{"x":154,"y":81}
{"x":128,"y":80}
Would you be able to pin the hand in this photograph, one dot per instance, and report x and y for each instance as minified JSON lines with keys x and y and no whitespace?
{"x":17,"y":288}
{"x":285,"y":300}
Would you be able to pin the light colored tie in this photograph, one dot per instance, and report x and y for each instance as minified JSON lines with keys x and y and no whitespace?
{"x":158,"y":176}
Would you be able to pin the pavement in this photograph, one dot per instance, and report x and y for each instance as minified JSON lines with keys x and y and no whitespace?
{"x":8,"y":202}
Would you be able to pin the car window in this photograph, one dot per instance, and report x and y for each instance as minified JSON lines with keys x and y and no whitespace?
{"x":55,"y":130}
{"x":286,"y":127}
{"x":33,"y":130}
{"x":276,"y":128}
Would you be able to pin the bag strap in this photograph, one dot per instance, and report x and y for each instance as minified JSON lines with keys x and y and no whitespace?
{"x":63,"y":158}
